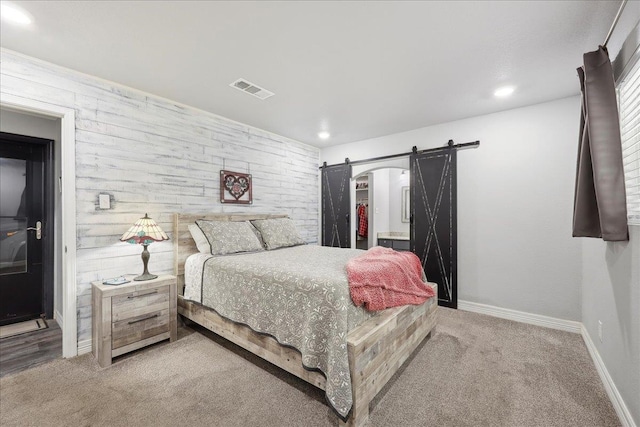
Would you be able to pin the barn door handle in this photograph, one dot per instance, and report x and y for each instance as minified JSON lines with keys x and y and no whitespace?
{"x":38,"y":229}
{"x":347,"y":218}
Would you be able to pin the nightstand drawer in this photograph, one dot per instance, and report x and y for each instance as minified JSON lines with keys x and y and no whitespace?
{"x":139,"y":328}
{"x":136,"y":304}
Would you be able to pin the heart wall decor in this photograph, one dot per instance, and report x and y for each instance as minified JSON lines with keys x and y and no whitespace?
{"x":235,"y":187}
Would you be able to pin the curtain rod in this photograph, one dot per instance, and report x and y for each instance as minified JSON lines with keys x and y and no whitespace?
{"x":615,"y":22}
{"x":450,"y":144}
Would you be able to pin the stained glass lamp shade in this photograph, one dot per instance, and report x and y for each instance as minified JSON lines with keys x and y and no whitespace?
{"x":144,"y":232}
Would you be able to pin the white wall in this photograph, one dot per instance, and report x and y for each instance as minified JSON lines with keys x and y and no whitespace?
{"x":40,"y":127}
{"x":515,"y":204}
{"x":611,"y":294}
{"x":153,"y":155}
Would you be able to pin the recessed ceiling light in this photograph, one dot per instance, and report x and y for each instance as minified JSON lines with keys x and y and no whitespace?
{"x":12,"y":13}
{"x":504,"y":91}
{"x":324,"y":135}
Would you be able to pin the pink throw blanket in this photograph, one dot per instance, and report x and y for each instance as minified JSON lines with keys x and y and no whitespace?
{"x":382,"y":278}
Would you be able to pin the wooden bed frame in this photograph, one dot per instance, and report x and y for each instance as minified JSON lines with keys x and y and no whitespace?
{"x":376,"y":349}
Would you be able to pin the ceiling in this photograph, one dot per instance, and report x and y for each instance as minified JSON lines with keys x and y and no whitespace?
{"x":356,"y":69}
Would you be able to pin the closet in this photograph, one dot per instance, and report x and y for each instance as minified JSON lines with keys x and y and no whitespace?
{"x":362,"y":212}
{"x":432,"y":206}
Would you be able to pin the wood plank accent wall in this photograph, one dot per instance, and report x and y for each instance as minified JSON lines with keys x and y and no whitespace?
{"x":157,"y":157}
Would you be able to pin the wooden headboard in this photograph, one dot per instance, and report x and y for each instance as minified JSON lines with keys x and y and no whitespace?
{"x":183,"y":243}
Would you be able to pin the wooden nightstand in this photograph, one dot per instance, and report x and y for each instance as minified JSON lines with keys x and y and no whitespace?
{"x":131,"y":316}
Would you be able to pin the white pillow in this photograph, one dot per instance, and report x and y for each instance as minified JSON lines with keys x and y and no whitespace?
{"x":201,"y":240}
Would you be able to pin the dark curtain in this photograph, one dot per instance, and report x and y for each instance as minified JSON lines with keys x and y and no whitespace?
{"x":600,"y":208}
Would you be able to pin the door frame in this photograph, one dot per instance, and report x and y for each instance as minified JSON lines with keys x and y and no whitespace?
{"x":400,"y":162}
{"x":69,"y":319}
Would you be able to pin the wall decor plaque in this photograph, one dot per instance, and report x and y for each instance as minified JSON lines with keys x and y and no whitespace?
{"x":235,"y":187}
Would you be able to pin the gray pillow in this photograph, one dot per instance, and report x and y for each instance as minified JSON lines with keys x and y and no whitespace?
{"x":230,"y":237}
{"x":278,"y":232}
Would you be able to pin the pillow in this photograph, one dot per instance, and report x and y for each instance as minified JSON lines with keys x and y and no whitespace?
{"x":278,"y":232}
{"x":201,"y":240}
{"x":258,"y":235}
{"x":230,"y":237}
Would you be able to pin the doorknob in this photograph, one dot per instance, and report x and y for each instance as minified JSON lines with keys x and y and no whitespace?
{"x":38,"y":229}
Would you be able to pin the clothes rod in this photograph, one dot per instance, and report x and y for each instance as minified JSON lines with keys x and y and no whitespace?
{"x":415,"y":150}
{"x":615,"y":22}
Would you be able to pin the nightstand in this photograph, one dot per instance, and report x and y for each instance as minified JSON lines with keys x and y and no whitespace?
{"x":131,"y":316}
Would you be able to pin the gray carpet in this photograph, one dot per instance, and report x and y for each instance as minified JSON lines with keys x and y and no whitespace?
{"x":475,"y":371}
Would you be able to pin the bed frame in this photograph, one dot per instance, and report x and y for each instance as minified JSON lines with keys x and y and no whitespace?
{"x":377,"y":348}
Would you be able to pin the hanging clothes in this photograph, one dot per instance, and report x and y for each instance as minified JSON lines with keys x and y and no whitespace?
{"x":363,"y":222}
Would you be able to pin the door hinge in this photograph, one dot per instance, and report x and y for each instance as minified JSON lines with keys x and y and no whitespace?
{"x":60,"y":184}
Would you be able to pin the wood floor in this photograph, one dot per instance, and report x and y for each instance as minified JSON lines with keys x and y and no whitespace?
{"x":25,"y":351}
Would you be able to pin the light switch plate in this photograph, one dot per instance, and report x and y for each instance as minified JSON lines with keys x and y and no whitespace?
{"x":105,"y":202}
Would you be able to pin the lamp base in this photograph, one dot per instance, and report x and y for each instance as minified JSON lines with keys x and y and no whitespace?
{"x":145,"y":260}
{"x":145,"y":276}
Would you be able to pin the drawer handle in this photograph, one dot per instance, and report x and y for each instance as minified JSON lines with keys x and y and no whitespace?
{"x":142,"y":295}
{"x":143,"y":319}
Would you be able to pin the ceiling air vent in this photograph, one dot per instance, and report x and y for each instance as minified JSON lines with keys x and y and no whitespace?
{"x":251,"y":89}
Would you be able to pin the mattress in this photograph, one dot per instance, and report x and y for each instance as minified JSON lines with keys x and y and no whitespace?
{"x":299,"y":295}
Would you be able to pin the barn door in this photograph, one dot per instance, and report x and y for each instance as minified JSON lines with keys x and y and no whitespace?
{"x":433,"y":219}
{"x":336,"y":204}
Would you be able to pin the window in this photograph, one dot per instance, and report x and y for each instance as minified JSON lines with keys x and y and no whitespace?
{"x":629,"y":99}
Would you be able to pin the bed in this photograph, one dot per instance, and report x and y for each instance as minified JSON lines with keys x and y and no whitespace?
{"x":374,"y":350}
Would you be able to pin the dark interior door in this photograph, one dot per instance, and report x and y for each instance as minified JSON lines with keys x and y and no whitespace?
{"x":336,"y":204}
{"x":434,"y":220}
{"x":22,"y":227}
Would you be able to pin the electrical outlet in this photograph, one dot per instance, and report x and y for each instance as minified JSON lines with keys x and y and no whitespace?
{"x":600,"y":330}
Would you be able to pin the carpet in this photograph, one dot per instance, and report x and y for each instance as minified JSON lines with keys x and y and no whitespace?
{"x":22,"y":328}
{"x":474,"y":371}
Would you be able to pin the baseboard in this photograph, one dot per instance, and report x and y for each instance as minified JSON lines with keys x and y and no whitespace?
{"x":59,"y":319}
{"x":84,"y":346}
{"x":521,"y":316}
{"x":612,"y":391}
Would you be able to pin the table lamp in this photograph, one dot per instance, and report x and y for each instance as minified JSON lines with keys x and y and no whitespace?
{"x":144,"y":232}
